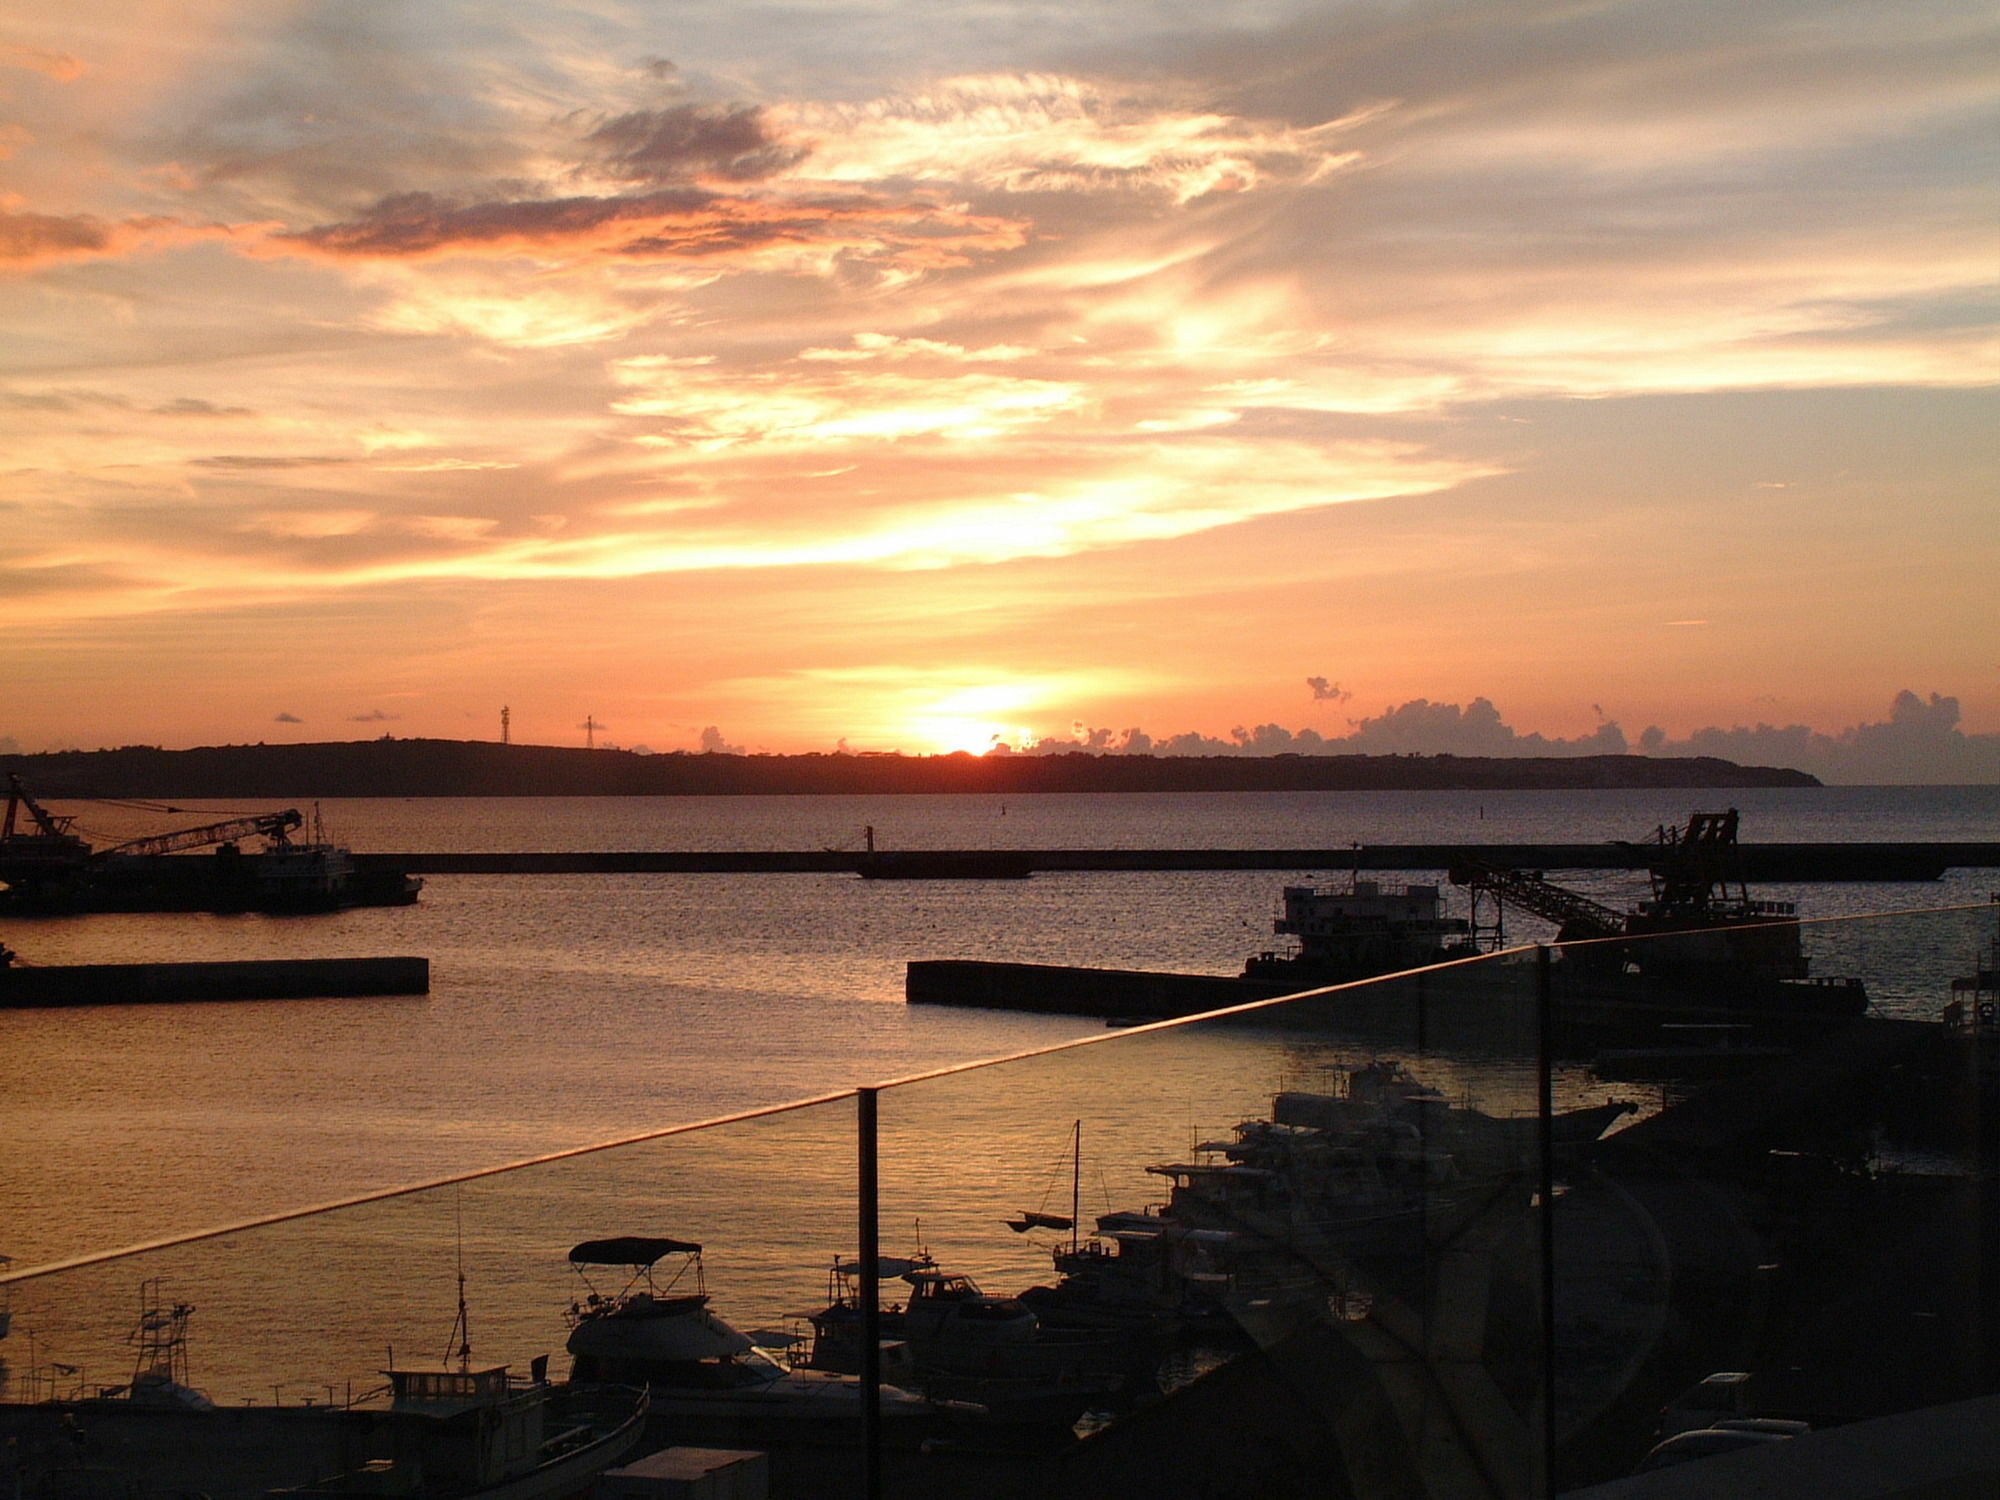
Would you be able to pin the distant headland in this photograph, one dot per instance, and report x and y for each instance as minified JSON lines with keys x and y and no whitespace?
{"x":476,"y":768}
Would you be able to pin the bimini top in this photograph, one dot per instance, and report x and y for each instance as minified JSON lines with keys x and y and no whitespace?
{"x":629,"y":1250}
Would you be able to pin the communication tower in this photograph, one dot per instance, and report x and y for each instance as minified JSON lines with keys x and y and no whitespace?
{"x":506,"y":718}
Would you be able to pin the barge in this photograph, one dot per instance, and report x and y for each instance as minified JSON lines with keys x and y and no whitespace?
{"x":46,"y":869}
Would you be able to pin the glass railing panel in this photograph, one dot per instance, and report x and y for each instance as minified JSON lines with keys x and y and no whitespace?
{"x":1284,"y":1249}
{"x":579,"y":1276}
{"x":1799,"y":1227}
{"x":1469,"y":1230}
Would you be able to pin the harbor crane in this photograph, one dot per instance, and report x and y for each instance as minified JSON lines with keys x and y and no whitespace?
{"x":1700,"y":918}
{"x":1577,"y":917}
{"x":273,"y":826}
{"x":41,"y":844}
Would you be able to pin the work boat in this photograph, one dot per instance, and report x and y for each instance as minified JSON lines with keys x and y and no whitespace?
{"x":707,"y":1379}
{"x":484,"y":1433}
{"x":1337,"y":934}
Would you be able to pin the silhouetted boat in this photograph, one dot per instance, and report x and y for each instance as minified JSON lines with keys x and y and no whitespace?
{"x":45,"y":868}
{"x":707,"y":1380}
{"x":1358,"y":931}
{"x":1699,"y":949}
{"x":986,"y":1356}
{"x":1974,"y":1008}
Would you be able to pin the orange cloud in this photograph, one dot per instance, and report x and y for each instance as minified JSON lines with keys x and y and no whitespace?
{"x":57,"y":65}
{"x":28,"y":240}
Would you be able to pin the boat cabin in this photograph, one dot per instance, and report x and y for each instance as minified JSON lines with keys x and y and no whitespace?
{"x":441,"y":1392}
{"x":950,"y":1307}
{"x":467,"y":1426}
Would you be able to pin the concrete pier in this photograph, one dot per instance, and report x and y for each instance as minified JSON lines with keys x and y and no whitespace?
{"x":1755,"y":862}
{"x":1063,"y":990}
{"x":24,"y":986}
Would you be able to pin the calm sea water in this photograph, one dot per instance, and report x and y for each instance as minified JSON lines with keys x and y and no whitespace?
{"x":569,"y":1010}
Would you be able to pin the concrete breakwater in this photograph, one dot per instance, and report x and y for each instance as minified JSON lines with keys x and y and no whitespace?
{"x":25,"y":986}
{"x":1778,"y":862}
{"x":1057,"y":989}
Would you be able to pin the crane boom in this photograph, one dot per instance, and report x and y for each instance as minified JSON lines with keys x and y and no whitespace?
{"x":1578,"y":917}
{"x":52,"y":827}
{"x":273,"y":826}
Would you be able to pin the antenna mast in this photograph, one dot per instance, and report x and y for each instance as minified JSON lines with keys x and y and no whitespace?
{"x":461,"y":1330}
{"x":506,"y":720}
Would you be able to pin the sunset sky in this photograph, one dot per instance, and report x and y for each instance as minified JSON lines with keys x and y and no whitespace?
{"x":908,"y":376}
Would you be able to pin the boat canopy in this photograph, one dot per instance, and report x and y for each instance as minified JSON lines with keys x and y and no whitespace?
{"x":887,"y":1267}
{"x":629,"y":1250}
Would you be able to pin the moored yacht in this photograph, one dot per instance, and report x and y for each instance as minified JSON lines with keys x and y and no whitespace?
{"x":986,"y":1355}
{"x":706,"y":1378}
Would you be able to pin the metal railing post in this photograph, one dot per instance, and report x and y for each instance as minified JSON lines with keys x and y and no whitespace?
{"x":1545,"y":1109}
{"x":870,"y":1292}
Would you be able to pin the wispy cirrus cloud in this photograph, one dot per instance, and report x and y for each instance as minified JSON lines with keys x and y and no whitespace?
{"x":705,"y":405}
{"x":665,"y":224}
{"x":1045,"y":133}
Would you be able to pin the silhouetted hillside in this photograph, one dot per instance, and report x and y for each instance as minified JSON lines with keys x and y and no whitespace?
{"x":466,"y":768}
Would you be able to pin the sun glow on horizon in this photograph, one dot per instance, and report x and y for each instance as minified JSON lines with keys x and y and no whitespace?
{"x":974,"y":719}
{"x":945,"y":736}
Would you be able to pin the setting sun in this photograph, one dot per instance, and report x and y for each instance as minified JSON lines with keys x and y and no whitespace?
{"x":971,"y":719}
{"x":941,"y":736}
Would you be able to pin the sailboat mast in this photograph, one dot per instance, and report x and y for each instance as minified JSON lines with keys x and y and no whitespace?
{"x":1075,"y":1183}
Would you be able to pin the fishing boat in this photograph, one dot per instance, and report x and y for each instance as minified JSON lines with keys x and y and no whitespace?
{"x":483,"y":1433}
{"x":456,"y":1432}
{"x":160,"y":1372}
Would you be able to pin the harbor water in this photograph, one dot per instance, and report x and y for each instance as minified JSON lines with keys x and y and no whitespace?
{"x":575,"y":1009}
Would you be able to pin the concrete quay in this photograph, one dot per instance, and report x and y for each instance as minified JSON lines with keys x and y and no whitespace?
{"x":35,"y":986}
{"x":1755,"y":862}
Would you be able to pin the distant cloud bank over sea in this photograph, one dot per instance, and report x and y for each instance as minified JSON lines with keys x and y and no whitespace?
{"x":1920,"y":742}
